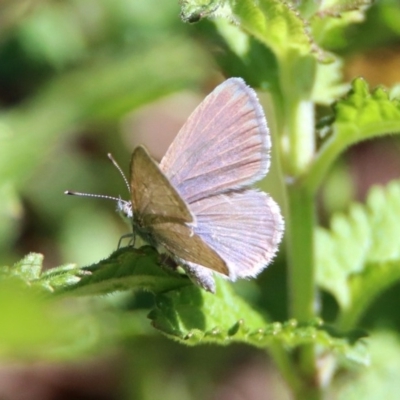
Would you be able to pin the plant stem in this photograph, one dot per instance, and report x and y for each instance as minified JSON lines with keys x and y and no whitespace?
{"x":286,"y":367}
{"x":324,"y":160}
{"x":299,"y":238}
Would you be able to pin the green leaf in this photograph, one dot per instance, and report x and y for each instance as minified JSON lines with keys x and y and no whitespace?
{"x":363,"y":115}
{"x":27,"y":269}
{"x":330,"y":23}
{"x":276,"y":24}
{"x":381,"y":379}
{"x":36,"y":325}
{"x":279,"y":27}
{"x":329,"y":84}
{"x":359,"y":116}
{"x":182,"y":311}
{"x":193,"y":316}
{"x":33,"y":327}
{"x":125,"y":269}
{"x":359,"y":256}
{"x":25,"y":138}
{"x":194,"y":10}
{"x":240,"y":54}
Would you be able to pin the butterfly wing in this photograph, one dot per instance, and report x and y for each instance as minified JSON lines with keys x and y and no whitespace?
{"x":244,"y":228}
{"x":188,"y":247}
{"x":223,"y":145}
{"x":164,"y":216}
{"x":153,"y":197}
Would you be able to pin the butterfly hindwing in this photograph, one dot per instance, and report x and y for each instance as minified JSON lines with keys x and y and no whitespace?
{"x":244,"y":228}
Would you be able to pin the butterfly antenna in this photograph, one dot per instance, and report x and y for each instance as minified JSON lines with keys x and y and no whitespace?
{"x":99,"y":196}
{"x":109,"y":155}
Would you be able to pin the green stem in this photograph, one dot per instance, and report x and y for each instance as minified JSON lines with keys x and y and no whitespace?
{"x":324,"y":160}
{"x":299,"y":237}
{"x":301,"y":388}
{"x":298,"y":128}
{"x":300,"y":136}
{"x":286,"y":367}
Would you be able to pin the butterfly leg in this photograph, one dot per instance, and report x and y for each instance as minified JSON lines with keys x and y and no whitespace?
{"x":131,"y":242}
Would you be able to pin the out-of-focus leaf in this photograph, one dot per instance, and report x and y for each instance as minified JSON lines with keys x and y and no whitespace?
{"x":194,"y":10}
{"x":329,"y":84}
{"x":330,"y":23}
{"x":114,"y":87}
{"x":381,"y":379}
{"x":32,"y":327}
{"x":359,"y":256}
{"x":359,"y":116}
{"x":29,"y":271}
{"x":10,"y":214}
{"x":240,"y":54}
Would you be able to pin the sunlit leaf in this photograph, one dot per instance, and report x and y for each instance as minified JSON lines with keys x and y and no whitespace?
{"x":333,"y":17}
{"x":193,"y":316}
{"x":361,"y":115}
{"x":329,"y":84}
{"x":125,"y":269}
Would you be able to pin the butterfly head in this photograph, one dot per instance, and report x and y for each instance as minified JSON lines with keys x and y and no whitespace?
{"x":124,"y":209}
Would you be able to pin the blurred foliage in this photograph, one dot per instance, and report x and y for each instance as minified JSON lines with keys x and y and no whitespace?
{"x":70,"y":72}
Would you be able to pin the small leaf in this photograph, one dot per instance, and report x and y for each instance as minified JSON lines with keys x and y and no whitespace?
{"x":361,"y":115}
{"x":329,"y":84}
{"x":27,"y":269}
{"x":359,"y":257}
{"x":125,"y":269}
{"x":194,"y":10}
{"x":333,"y":17}
{"x":276,"y":24}
{"x":60,"y":276}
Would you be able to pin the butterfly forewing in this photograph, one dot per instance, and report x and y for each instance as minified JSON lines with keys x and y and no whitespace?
{"x":153,"y":197}
{"x":162,"y":214}
{"x":223,"y":145}
{"x":184,"y":244}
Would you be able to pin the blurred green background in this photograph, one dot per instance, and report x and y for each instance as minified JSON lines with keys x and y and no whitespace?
{"x":81,"y":78}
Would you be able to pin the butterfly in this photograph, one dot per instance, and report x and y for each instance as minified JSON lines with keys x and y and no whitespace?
{"x":198,"y":203}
